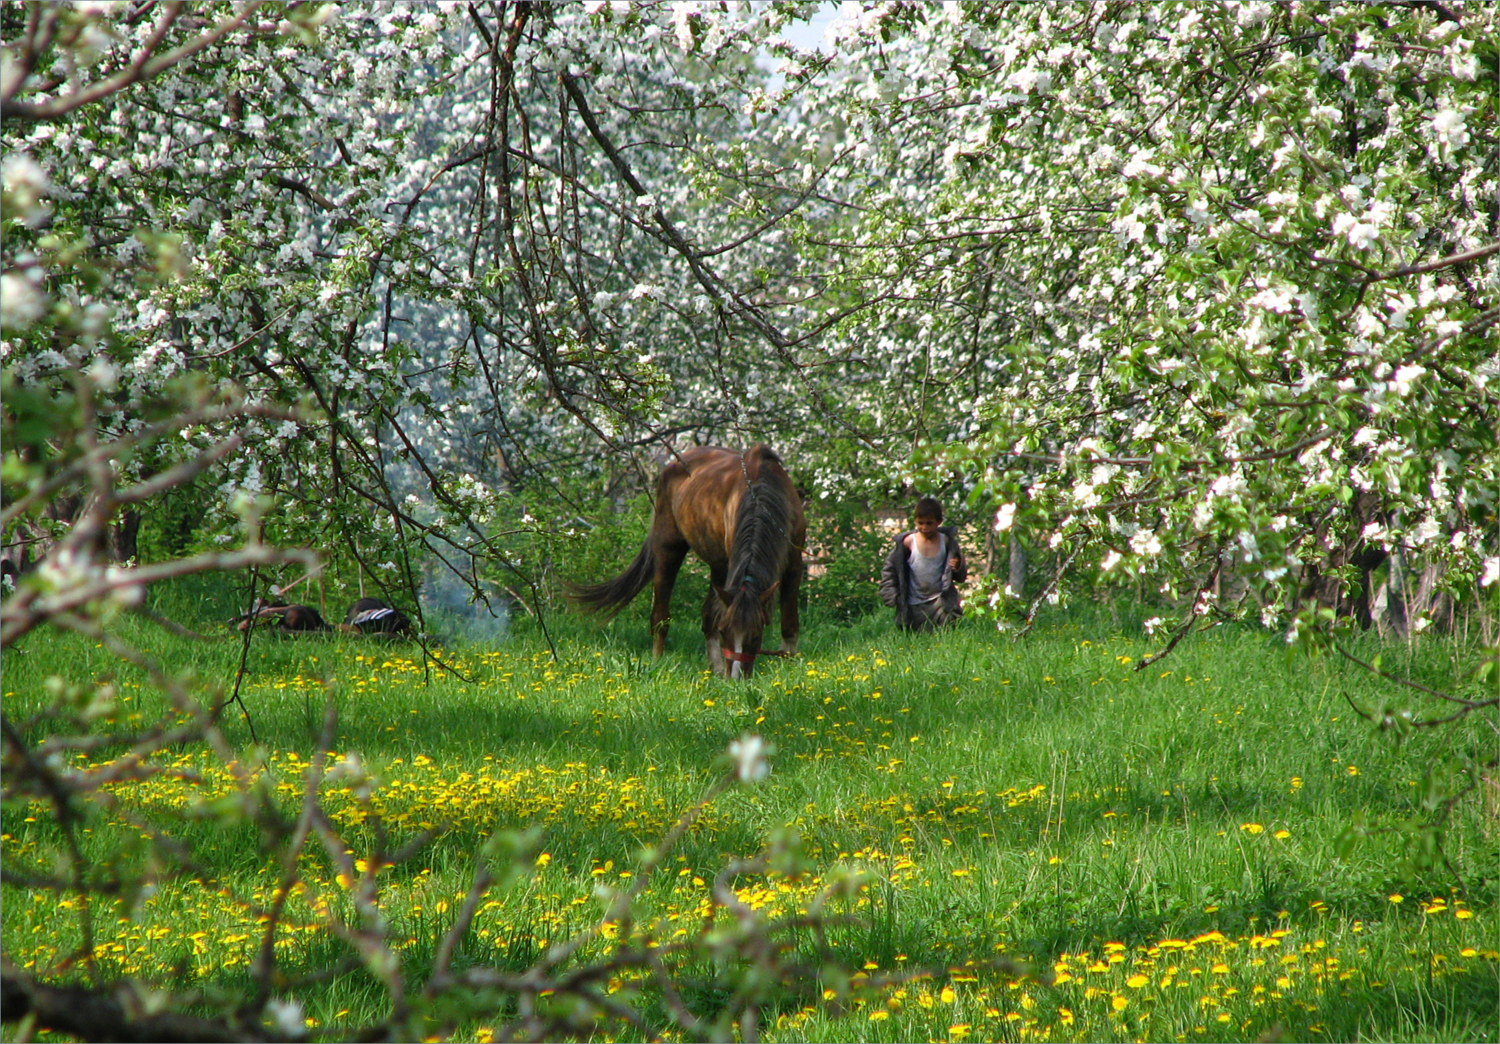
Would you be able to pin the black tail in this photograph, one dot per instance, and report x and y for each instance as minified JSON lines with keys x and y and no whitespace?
{"x":610,"y":596}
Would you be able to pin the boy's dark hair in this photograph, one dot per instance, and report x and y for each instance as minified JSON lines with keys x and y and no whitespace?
{"x":929,"y":507}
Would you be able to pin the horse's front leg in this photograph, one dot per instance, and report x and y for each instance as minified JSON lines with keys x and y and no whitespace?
{"x":791,"y":625}
{"x":716,"y":661}
{"x":668,"y":563}
{"x":711,"y":607}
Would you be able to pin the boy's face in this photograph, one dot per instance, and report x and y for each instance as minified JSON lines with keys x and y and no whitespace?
{"x":927,"y":526}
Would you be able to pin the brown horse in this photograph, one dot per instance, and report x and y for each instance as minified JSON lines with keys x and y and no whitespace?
{"x":290,"y":619}
{"x":741,"y":514}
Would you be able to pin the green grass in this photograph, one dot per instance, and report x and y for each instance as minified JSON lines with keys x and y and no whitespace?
{"x":1041,"y":801}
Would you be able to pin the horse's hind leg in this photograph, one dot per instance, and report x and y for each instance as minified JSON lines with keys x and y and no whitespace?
{"x":668,"y":562}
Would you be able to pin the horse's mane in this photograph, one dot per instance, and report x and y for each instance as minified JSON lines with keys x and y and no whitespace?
{"x":758,"y":552}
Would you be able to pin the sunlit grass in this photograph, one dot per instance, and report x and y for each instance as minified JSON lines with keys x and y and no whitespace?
{"x":1158,"y":848}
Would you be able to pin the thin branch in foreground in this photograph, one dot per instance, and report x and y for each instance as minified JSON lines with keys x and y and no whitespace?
{"x":1192,"y":616}
{"x":1466,"y":706}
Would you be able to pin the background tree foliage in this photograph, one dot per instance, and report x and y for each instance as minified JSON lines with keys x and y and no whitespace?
{"x":1196,"y":297}
{"x":1176,"y":289}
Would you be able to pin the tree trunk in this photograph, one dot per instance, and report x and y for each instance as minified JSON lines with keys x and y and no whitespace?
{"x":1438,"y":605}
{"x":124,"y":536}
{"x":1016,"y":579}
{"x":1388,"y":607}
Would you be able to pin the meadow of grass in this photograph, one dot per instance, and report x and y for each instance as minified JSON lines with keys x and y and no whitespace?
{"x":1159,"y":848}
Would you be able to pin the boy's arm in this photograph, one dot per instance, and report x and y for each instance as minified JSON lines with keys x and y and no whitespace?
{"x":961,"y":567}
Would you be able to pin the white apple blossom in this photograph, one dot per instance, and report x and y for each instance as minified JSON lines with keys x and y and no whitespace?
{"x":749,"y":754}
{"x":1404,"y":378}
{"x":1449,"y":132}
{"x":21,"y":301}
{"x":287,"y":1017}
{"x":1145,"y":542}
{"x":26,"y":187}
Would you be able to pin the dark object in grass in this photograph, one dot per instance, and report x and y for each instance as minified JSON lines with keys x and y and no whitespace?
{"x":290,"y":619}
{"x":374,"y":617}
{"x":741,"y":514}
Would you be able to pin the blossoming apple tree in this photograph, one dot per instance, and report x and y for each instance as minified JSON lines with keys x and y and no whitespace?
{"x":1233,"y":266}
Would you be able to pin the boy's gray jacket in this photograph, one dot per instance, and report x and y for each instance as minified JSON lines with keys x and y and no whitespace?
{"x":895,"y":577}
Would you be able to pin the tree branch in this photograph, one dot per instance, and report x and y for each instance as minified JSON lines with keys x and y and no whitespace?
{"x":142,"y":67}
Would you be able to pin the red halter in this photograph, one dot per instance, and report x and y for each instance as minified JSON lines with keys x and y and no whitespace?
{"x":739,"y":657}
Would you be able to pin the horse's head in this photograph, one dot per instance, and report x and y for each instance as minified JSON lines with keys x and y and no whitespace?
{"x":740,"y":622}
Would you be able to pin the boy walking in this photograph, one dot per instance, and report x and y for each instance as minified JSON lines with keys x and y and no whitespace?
{"x":920,"y":572}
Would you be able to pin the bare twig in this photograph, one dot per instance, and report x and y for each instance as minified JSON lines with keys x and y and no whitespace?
{"x":145,"y":65}
{"x":1467,"y":706}
{"x":1192,"y":616}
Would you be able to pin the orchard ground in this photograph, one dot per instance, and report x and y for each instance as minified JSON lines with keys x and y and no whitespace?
{"x":1159,"y":849}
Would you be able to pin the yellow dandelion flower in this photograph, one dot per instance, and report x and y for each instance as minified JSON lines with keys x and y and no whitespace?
{"x":947,"y":996}
{"x":1136,"y":981}
{"x":1065,"y":1016}
{"x":1282,"y":835}
{"x":1252,"y":828}
{"x":958,"y":1030}
{"x":1396,"y":898}
{"x":880,"y":1015}
{"x":1119,"y":1003}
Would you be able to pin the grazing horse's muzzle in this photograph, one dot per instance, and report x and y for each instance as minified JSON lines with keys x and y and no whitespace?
{"x":738,"y":664}
{"x":747,"y":659}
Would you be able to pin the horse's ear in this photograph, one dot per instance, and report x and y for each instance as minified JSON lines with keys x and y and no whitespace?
{"x":768,"y":592}
{"x":724,"y":596}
